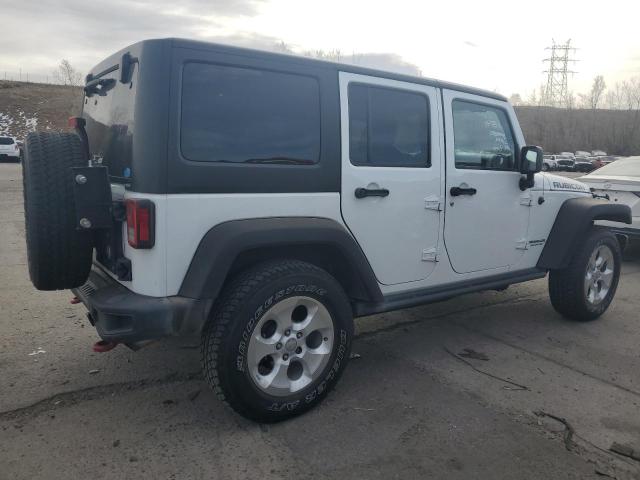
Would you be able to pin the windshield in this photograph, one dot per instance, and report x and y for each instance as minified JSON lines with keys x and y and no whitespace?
{"x":6,"y":141}
{"x":629,"y":167}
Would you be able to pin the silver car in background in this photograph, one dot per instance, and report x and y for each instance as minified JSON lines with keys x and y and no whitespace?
{"x":619,"y":182}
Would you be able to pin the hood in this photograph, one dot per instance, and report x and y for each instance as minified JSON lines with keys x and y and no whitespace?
{"x":563,"y":184}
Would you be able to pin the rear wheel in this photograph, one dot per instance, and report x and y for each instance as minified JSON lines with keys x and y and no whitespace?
{"x":59,"y":254}
{"x":278,"y":340}
{"x":585,"y":289}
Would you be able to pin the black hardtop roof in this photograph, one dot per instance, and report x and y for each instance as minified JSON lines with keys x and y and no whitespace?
{"x":300,"y":60}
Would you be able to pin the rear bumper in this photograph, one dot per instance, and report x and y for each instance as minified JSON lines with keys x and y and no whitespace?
{"x":119,"y":315}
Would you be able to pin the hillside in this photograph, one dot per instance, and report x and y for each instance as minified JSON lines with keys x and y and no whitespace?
{"x":26,"y":107}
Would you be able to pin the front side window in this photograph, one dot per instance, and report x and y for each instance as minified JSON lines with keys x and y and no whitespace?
{"x":388,"y":127}
{"x":482,"y":137}
{"x":243,"y":115}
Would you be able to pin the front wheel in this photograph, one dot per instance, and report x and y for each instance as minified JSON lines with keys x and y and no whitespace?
{"x":584,"y":290}
{"x":278,"y":340}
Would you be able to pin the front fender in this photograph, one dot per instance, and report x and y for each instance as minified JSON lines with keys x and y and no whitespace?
{"x":573,"y":221}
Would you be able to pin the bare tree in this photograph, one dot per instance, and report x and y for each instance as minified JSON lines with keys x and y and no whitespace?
{"x":631,"y":93}
{"x":334,"y":55}
{"x":282,"y":47}
{"x":571,"y":100}
{"x":66,"y":74}
{"x":592,"y":99}
{"x":516,"y":100}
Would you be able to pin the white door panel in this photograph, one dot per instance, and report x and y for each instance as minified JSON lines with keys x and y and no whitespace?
{"x":486,"y":227}
{"x":398,"y":232}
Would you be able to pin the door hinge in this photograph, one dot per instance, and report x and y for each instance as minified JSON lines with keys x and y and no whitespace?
{"x":526,"y":200}
{"x":432,"y":203}
{"x":521,"y":245}
{"x":430,"y":255}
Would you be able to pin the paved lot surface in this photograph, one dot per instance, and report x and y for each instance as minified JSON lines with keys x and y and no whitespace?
{"x":409,"y":407}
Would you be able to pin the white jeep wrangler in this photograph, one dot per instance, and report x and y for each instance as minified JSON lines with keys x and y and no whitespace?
{"x":263,"y":201}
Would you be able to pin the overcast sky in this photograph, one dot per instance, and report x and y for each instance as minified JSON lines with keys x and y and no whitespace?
{"x":498,"y":45}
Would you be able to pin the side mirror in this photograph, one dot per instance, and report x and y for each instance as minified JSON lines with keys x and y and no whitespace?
{"x":531,"y":159}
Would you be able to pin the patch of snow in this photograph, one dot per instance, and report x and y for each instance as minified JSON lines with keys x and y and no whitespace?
{"x":31,"y":123}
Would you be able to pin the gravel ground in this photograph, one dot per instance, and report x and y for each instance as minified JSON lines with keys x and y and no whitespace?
{"x":409,"y":407}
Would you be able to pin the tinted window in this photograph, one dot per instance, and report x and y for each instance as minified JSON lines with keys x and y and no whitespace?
{"x":482,"y":137}
{"x":6,"y":141}
{"x":388,"y":127}
{"x":242,"y":115}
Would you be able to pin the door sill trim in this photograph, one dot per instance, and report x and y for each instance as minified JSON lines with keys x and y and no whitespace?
{"x":444,"y":292}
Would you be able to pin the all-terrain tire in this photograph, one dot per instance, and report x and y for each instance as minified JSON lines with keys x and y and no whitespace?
{"x":236,"y":317}
{"x":59,"y":254}
{"x":567,"y":289}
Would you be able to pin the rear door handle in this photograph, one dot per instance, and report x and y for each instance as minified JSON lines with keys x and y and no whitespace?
{"x":371,"y":192}
{"x":457,"y":191}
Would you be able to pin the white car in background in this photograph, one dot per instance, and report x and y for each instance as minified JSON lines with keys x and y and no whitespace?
{"x":619,"y":182}
{"x":9,"y":149}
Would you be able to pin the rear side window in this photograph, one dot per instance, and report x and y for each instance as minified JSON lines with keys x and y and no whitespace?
{"x":242,"y":115}
{"x":482,"y":137}
{"x":6,"y":141}
{"x":388,"y":127}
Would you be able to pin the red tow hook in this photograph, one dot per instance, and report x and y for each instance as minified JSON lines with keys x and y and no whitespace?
{"x":103,"y":346}
{"x":75,"y":301}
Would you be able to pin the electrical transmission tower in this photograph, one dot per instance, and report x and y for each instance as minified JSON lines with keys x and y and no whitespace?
{"x":556,"y":92}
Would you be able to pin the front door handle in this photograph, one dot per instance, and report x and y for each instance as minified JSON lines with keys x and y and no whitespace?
{"x":457,"y":191}
{"x":371,"y":192}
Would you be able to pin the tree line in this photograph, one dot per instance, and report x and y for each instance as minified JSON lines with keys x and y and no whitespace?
{"x":601,"y":119}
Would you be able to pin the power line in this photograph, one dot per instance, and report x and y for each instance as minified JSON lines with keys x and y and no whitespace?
{"x":556,"y":92}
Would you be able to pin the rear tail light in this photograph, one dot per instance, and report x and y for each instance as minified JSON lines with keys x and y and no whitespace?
{"x":76,"y":122}
{"x":140,"y":223}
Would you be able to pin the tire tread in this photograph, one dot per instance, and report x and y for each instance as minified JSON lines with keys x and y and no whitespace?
{"x":217,"y":329}
{"x":59,"y":256}
{"x":565,"y":285}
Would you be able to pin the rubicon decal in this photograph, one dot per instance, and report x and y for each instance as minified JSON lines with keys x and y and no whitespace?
{"x":568,"y":186}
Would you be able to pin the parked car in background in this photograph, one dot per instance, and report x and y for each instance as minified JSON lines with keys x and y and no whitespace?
{"x":583,"y":153}
{"x":620,"y":183}
{"x":599,"y":153}
{"x":607,"y":159}
{"x":9,"y":149}
{"x":549,"y":163}
{"x":583,"y":164}
{"x":596,"y":162}
{"x":566,"y":162}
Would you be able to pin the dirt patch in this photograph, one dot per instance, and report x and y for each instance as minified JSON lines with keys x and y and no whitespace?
{"x":27,"y":107}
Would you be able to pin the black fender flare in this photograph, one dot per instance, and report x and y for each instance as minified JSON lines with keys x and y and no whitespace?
{"x":573,"y":221}
{"x":222,"y":244}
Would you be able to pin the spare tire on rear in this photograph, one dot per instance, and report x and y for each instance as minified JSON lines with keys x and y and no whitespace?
{"x":59,"y":254}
